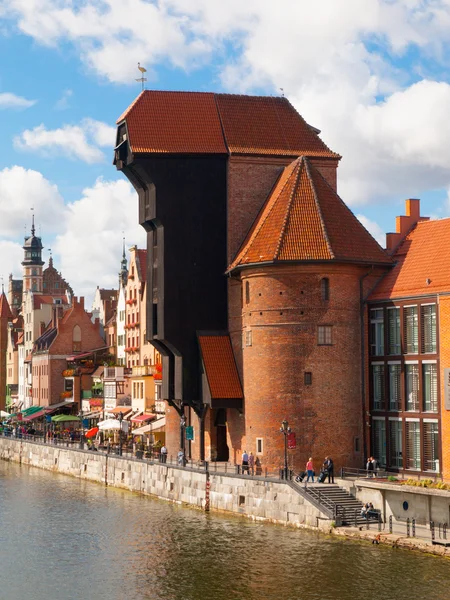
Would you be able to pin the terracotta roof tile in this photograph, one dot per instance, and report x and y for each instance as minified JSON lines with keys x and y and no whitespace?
{"x":422,"y":256}
{"x":220,"y":367}
{"x":267,"y":125}
{"x":205,"y":123}
{"x":304,"y":219}
{"x":174,"y":122}
{"x":5,"y":310}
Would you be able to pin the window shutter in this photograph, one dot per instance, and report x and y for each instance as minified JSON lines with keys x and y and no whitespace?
{"x":412,"y":444}
{"x":430,"y":447}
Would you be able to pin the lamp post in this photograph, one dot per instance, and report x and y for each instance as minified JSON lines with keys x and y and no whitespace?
{"x":80,"y":414}
{"x":120,"y":432}
{"x":285,"y":430}
{"x":182,"y":428}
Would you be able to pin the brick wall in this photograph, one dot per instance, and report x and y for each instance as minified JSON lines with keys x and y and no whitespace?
{"x":444,"y":363}
{"x":284,"y":311}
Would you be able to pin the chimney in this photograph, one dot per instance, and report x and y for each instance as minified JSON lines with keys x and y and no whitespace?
{"x":404,"y":224}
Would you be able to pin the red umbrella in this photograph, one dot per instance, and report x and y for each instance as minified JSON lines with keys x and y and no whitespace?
{"x":92,"y":432}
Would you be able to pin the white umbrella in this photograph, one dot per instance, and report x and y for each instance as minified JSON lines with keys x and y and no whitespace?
{"x":113,"y":424}
{"x":4,"y":414}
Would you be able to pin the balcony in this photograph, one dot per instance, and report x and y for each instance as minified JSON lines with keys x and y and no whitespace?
{"x":131,"y":301}
{"x":114,"y":373}
{"x":143,"y":371}
{"x":66,"y":395}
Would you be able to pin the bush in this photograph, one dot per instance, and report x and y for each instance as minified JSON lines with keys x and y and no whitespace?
{"x":392,"y":478}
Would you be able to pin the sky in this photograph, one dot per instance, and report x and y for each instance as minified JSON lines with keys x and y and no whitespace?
{"x":372,"y":75}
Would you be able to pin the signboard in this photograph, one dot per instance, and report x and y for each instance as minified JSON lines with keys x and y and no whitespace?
{"x":447,"y":388}
{"x":291,"y":441}
{"x":85,"y":423}
{"x":189,"y":432}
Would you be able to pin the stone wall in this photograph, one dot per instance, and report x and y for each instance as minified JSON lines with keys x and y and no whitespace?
{"x":255,"y":498}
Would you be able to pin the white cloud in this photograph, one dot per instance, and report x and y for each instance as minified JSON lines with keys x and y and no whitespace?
{"x":8,"y":100}
{"x":374,"y":229}
{"x":73,"y":141}
{"x":85,"y":236}
{"x":22,"y":189}
{"x":64,"y":101}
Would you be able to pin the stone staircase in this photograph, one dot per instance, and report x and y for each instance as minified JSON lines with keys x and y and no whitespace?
{"x":334,"y":501}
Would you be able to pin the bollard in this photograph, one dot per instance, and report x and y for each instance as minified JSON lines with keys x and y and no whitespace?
{"x":408,"y":525}
{"x":439,"y":530}
{"x":414,"y":528}
{"x":390,"y":523}
{"x":432,"y":531}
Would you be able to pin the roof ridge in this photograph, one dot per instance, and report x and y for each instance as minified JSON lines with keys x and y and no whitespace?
{"x":289,"y":205}
{"x":319,"y":209}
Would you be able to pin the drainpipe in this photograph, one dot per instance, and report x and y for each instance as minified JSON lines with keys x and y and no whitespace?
{"x":363,"y":356}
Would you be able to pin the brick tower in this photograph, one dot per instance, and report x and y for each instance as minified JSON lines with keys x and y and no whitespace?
{"x":5,"y":317}
{"x":301,"y":268}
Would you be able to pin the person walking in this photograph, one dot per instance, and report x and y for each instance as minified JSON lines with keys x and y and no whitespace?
{"x":251,"y":463}
{"x":244,"y":462}
{"x":310,"y":470}
{"x":163,"y":454}
{"x":370,"y":467}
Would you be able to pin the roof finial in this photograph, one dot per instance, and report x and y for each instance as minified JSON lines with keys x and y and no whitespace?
{"x":32,"y":223}
{"x":50,"y":260}
{"x":142,"y":78}
{"x":282,"y":92}
{"x":3,"y":285}
{"x":123,"y":240}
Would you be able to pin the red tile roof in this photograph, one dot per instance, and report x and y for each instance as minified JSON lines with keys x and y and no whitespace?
{"x":220,"y":367}
{"x":5,"y":310}
{"x":304,"y":219}
{"x":421,"y":257}
{"x":205,"y":123}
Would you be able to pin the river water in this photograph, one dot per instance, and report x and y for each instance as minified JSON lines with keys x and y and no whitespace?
{"x":62,"y":538}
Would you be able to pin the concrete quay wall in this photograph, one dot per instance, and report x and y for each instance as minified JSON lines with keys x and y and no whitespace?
{"x":254,"y":498}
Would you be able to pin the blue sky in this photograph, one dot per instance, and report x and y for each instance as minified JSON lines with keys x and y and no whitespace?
{"x":372,"y":75}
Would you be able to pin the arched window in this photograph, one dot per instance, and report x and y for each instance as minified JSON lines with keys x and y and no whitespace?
{"x":325,"y":284}
{"x":76,"y":339}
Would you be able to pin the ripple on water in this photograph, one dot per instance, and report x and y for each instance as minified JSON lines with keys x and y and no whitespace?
{"x":62,"y":538}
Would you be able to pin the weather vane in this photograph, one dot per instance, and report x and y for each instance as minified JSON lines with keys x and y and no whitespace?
{"x":142,"y":79}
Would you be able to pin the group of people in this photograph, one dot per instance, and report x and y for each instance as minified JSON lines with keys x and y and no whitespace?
{"x":368,"y":510}
{"x":248,"y":463}
{"x":371,"y":467}
{"x":327,"y":470}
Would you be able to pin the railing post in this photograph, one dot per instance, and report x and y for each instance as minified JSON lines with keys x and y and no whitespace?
{"x":414,"y":528}
{"x":379,"y":521}
{"x":390,"y":524}
{"x":439,"y":530}
{"x":408,"y":527}
{"x":433,"y":534}
{"x":342,"y":472}
{"x":356,"y":517}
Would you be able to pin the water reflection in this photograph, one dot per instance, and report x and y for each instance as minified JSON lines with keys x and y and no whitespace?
{"x":62,"y":539}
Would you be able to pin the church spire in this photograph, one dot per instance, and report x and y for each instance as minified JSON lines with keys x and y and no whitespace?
{"x":123,"y":274}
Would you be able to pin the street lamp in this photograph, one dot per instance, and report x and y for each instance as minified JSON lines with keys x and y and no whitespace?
{"x":120,"y":432}
{"x":182,"y":427}
{"x":285,"y":430}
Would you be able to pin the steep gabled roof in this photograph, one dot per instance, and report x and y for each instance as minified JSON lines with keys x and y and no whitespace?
{"x":5,"y":310}
{"x":141,"y":265}
{"x":421,"y":263}
{"x":160,"y":122}
{"x":220,"y":367}
{"x":304,"y":219}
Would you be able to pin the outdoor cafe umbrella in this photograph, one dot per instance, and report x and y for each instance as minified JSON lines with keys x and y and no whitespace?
{"x":64,"y":418}
{"x":4,"y":414}
{"x":92,"y":432}
{"x":113,"y":424}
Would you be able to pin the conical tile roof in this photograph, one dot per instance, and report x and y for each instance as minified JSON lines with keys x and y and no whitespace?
{"x":304,"y":219}
{"x":5,"y":310}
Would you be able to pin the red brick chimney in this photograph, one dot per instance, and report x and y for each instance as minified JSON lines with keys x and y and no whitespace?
{"x":404,"y":224}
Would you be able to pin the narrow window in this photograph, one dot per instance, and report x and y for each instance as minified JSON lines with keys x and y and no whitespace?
{"x":248,"y":337}
{"x":394,"y":387}
{"x":396,"y":445}
{"x":431,"y":446}
{"x":247,"y":292}
{"x":259,"y":445}
{"x":411,"y":330}
{"x":413,"y":445}
{"x":379,"y":440}
{"x":324,"y":337}
{"x":378,"y":387}
{"x":325,"y":286}
{"x":308,"y":378}
{"x":412,"y":387}
{"x":430,"y":400}
{"x":376,"y":332}
{"x":428,"y":318}
{"x":76,"y":339}
{"x":394,"y":343}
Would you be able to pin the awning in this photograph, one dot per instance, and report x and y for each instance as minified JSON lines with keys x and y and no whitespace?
{"x":27,"y":412}
{"x":35,"y":415}
{"x":85,"y":354}
{"x":64,"y":418}
{"x":155,"y":426}
{"x":143,"y":418}
{"x":120,"y":409}
{"x":53,"y":407}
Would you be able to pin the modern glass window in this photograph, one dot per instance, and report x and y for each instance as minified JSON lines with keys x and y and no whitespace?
{"x":324,"y":335}
{"x":428,"y":315}
{"x":430,"y":394}
{"x":378,"y":394}
{"x":412,"y":387}
{"x":379,"y":441}
{"x":394,"y":387}
{"x":413,"y":445}
{"x":394,"y":339}
{"x":431,"y":447}
{"x":376,"y":332}
{"x":411,"y":329}
{"x":396,"y":444}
